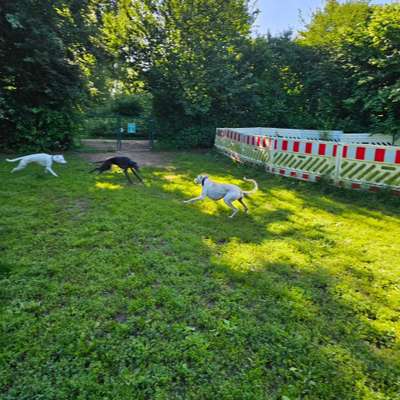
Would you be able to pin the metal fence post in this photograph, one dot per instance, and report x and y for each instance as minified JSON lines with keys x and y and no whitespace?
{"x":271,"y":151}
{"x":119,"y":132}
{"x":151,"y":133}
{"x":338,"y":162}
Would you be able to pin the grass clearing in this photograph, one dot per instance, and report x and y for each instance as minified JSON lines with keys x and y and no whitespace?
{"x":110,"y":291}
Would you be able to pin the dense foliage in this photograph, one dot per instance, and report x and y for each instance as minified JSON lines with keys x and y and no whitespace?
{"x":341,"y":72}
{"x":363,"y":43}
{"x":41,"y":82}
{"x":199,"y":64}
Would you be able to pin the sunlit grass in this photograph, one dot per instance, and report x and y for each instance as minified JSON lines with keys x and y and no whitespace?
{"x":107,"y":185}
{"x":120,"y":291}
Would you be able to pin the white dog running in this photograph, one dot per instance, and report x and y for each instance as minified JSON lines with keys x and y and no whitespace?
{"x":226,"y":191}
{"x":42,"y":158}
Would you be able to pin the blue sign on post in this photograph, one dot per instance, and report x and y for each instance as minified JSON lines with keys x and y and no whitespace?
{"x":131,"y":127}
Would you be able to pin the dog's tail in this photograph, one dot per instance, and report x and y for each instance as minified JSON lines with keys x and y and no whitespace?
{"x":14,"y":159}
{"x":246,"y":193}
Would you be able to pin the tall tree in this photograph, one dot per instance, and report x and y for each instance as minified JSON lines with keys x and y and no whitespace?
{"x":329,"y":24}
{"x":43,"y":56}
{"x":187,"y":54}
{"x":362,"y":42}
{"x":371,"y":54}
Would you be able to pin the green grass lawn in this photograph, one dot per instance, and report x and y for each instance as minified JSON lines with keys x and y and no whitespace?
{"x":110,"y":291}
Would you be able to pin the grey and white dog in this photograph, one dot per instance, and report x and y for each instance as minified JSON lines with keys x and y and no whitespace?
{"x":226,"y":191}
{"x":41,"y":158}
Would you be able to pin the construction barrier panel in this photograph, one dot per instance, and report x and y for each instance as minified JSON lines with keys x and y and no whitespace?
{"x":353,"y":165}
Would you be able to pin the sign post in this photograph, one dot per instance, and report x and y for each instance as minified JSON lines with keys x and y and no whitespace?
{"x":131,"y":127}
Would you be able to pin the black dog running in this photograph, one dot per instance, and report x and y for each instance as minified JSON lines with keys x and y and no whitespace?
{"x":124,"y":163}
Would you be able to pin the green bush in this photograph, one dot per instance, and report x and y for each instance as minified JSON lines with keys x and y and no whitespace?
{"x":41,"y":130}
{"x":128,"y":106}
{"x":190,"y":137}
{"x":100,"y":127}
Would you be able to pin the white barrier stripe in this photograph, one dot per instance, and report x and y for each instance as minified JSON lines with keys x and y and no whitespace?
{"x":370,"y":154}
{"x":390,"y":156}
{"x":351,"y":152}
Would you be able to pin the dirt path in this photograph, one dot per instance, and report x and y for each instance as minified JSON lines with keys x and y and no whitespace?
{"x":137,"y":150}
{"x":148,"y":158}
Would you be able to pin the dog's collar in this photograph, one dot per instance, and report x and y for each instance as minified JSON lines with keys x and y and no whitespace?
{"x":203,"y":180}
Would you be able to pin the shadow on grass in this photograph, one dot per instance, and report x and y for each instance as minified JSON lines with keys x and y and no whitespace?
{"x":300,"y":322}
{"x":145,"y":297}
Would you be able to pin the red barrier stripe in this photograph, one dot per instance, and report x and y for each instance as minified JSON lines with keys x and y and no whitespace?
{"x":305,"y":176}
{"x":308,"y":149}
{"x":355,"y":186}
{"x":334,"y":150}
{"x":397,"y":160}
{"x":380,"y":155}
{"x":374,"y":189}
{"x":360,"y":153}
{"x":284,"y":145}
{"x":322,"y":149}
{"x":275,"y":144}
{"x":258,"y":141}
{"x":282,"y":171}
{"x":296,"y":146}
{"x":293,"y":173}
{"x":265,"y":142}
{"x":344,"y":153}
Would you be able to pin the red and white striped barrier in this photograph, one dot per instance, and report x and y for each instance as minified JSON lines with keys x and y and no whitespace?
{"x":357,"y":166}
